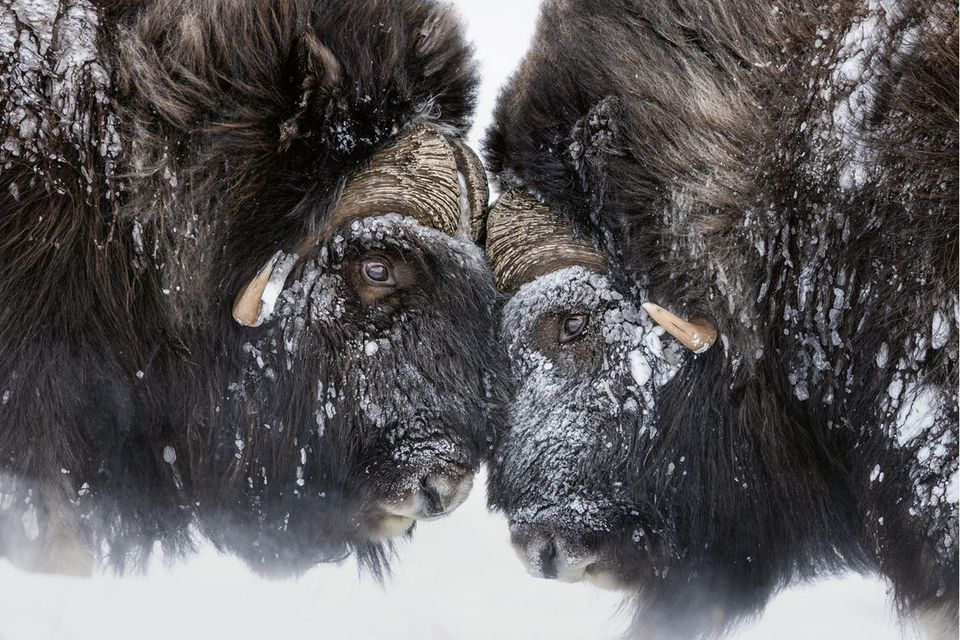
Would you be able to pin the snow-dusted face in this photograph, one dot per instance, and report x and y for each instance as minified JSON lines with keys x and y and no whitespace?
{"x":364,"y":396}
{"x":588,"y":367}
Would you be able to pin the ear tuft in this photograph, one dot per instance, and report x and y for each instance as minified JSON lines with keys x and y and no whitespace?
{"x":322,"y":74}
{"x":595,"y":135}
{"x":323,"y":68}
{"x":435,"y":42}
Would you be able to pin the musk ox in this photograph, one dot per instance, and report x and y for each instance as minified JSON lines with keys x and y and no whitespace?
{"x":730,"y":233}
{"x":238,"y":278}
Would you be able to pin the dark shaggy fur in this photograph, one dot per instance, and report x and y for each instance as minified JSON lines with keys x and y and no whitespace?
{"x":155,"y":154}
{"x":788,"y":171}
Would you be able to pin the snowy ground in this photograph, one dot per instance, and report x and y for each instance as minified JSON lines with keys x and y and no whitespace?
{"x":457,"y":579}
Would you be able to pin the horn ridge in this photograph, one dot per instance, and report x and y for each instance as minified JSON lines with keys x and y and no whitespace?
{"x":471,"y":170}
{"x":416,"y":176}
{"x":526,"y":239}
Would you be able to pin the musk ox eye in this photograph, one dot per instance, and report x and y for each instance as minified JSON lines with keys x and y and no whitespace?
{"x":377,"y":272}
{"x":572,"y":327}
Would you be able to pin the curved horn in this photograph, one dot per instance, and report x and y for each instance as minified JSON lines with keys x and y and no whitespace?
{"x":256,"y":300}
{"x":425,"y":175}
{"x":696,"y":334}
{"x":474,"y":190}
{"x":416,"y":176}
{"x":526,"y":240}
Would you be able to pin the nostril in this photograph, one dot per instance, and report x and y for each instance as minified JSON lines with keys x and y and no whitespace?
{"x":548,"y":559}
{"x":553,"y":552}
{"x":433,"y":503}
{"x":438,"y":494}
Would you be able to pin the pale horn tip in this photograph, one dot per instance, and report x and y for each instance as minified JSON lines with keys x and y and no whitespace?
{"x":696,"y":334}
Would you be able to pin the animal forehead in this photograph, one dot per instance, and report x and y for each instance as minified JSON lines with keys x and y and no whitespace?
{"x":556,"y":436}
{"x":396,"y":231}
{"x":568,"y":289}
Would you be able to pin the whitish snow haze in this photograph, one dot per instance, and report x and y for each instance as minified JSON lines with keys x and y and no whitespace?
{"x":456,"y":580}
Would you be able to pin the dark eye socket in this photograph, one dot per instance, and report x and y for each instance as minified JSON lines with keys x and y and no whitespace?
{"x":572,"y":327}
{"x":377,"y":272}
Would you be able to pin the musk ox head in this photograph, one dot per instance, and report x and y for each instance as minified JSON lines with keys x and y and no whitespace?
{"x":307,"y":204}
{"x":577,"y":470}
{"x":362,"y":400}
{"x":362,"y":403}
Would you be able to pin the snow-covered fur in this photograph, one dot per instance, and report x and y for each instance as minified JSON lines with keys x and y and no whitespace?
{"x":154,"y":155}
{"x":789,"y":172}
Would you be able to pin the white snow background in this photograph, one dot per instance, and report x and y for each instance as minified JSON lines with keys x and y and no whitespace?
{"x":457,"y":579}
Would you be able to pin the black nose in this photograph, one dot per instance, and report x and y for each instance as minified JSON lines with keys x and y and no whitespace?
{"x":433,"y":503}
{"x":548,"y":559}
{"x":552,"y":551}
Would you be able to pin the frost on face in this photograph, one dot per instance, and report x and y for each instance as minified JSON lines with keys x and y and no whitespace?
{"x":579,"y":407}
{"x":326,"y":367}
{"x":315,"y":296}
